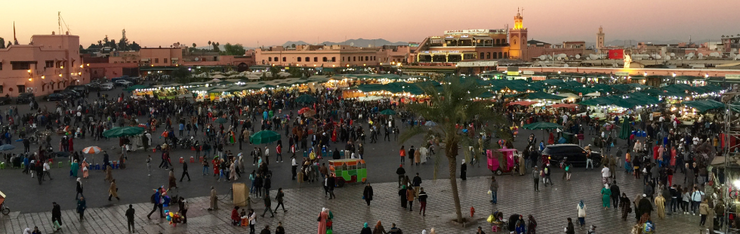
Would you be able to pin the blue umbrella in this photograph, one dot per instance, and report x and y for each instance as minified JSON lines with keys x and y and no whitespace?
{"x":6,"y":147}
{"x":430,"y":124}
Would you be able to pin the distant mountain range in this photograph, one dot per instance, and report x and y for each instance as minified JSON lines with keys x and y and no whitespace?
{"x":359,"y":42}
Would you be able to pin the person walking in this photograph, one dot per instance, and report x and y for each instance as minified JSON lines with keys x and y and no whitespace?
{"x":581,"y":214}
{"x":402,"y":194}
{"x":606,"y":194}
{"x":378,"y":229}
{"x":660,"y":205}
{"x":279,"y":199}
{"x":268,"y":207}
{"x":547,"y":175}
{"x":185,"y":171}
{"x":157,"y":201}
{"x":130,"y":218}
{"x":279,"y":229}
{"x":423,"y":202}
{"x":625,"y":206}
{"x":463,"y":170}
{"x":402,"y":153}
{"x":605,"y":174}
{"x":696,"y":198}
{"x":172,"y":180}
{"x":79,"y":188}
{"x":401,"y":174}
{"x":56,"y":216}
{"x":410,"y":195}
{"x":47,"y":170}
{"x":569,"y":229}
{"x":330,"y":184}
{"x":149,"y":165}
{"x":493,"y":188}
{"x":367,"y":194}
{"x":704,"y":211}
{"x":615,"y":194}
{"x":214,"y":199}
{"x":81,"y":206}
{"x":113,"y":191}
{"x":293,"y":167}
{"x":252,"y":220}
{"x":536,"y":178}
{"x":531,"y":225}
{"x":416,"y":182}
{"x":184,"y":206}
{"x":366,"y":229}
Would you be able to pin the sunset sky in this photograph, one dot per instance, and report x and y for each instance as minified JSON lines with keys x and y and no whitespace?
{"x":253,"y":23}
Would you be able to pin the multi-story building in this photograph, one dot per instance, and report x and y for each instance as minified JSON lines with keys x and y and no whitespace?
{"x":731,"y":43}
{"x":47,"y":63}
{"x":328,"y":56}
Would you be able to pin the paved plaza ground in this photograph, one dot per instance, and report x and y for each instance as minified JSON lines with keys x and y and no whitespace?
{"x":31,"y":202}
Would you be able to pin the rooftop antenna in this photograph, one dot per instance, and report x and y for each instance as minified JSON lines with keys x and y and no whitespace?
{"x":60,"y":20}
{"x":15,"y":39}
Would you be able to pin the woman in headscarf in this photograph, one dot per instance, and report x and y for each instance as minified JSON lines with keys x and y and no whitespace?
{"x":463,"y":170}
{"x":74,"y":168}
{"x":581,"y":213}
{"x":323,"y":218}
{"x":531,"y":225}
{"x":366,"y":230}
{"x":624,"y":203}
{"x":606,"y":194}
{"x":520,"y":225}
{"x":108,"y":173}
{"x":85,"y":170}
{"x":379,"y":228}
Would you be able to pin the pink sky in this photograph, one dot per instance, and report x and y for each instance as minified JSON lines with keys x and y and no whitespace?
{"x":155,"y":23}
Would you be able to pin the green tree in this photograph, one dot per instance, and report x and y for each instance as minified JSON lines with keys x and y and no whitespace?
{"x":182,"y":75}
{"x":209,"y":43}
{"x":134,"y":46}
{"x":215,"y":47}
{"x":450,"y":105}
{"x":236,"y":49}
{"x":2,"y":43}
{"x":274,"y":72}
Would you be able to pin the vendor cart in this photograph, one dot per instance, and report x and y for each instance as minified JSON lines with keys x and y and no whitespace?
{"x":507,"y":166}
{"x":4,"y":208}
{"x":348,"y":171}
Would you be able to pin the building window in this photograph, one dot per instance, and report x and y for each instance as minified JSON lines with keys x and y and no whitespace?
{"x":275,"y":59}
{"x":164,"y":60}
{"x":269,"y":59}
{"x":315,"y":59}
{"x":2,"y":89}
{"x":506,"y":54}
{"x":308,"y":59}
{"x":333,"y":59}
{"x":354,"y":58}
{"x":498,"y":41}
{"x":366,"y":58}
{"x":323,"y":59}
{"x":156,"y":60}
{"x":21,"y":65}
{"x":49,"y":63}
{"x":375,"y":58}
{"x":482,"y":55}
{"x":342,"y":59}
{"x":21,"y":88}
{"x":499,"y":55}
{"x":283,"y":59}
{"x":488,"y":55}
{"x":299,"y":59}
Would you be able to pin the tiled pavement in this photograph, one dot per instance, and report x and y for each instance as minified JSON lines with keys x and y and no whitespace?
{"x":550,"y":208}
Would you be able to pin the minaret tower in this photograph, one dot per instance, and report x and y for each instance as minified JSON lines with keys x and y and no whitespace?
{"x":600,"y":39}
{"x":518,"y":38}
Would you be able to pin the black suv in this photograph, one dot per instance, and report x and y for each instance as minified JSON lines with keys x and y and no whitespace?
{"x":4,"y":100}
{"x":25,"y":98}
{"x":575,"y":154}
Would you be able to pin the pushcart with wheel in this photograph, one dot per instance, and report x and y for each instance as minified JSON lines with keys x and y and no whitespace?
{"x":3,"y":208}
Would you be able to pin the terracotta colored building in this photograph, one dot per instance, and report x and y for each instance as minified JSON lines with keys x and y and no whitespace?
{"x":48,"y":63}
{"x":321,"y":56}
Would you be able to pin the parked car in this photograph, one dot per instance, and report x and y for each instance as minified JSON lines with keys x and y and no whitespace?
{"x":575,"y":154}
{"x":124,"y":83}
{"x":78,"y":88}
{"x":106,"y":86}
{"x":24,"y":98}
{"x":71,"y":93}
{"x":56,"y":96}
{"x":93,"y":86}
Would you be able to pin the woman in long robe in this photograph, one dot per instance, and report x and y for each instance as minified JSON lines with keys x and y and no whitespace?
{"x":323,"y":217}
{"x":74,"y":168}
{"x":85,"y":169}
{"x":660,"y":205}
{"x":606,"y":194}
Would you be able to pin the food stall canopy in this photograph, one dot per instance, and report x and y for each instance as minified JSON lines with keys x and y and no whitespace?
{"x":538,"y":95}
{"x":135,"y":87}
{"x":522,"y":103}
{"x":704,"y":105}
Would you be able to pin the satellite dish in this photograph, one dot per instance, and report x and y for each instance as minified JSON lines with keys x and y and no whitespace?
{"x":578,"y":56}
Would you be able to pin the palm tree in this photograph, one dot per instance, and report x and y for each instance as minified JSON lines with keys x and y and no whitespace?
{"x":209,"y":43}
{"x":450,"y":105}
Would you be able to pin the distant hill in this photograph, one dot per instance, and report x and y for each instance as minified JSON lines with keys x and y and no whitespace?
{"x":359,"y":42}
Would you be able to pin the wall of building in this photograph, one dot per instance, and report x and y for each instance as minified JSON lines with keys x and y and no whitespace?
{"x":48,"y":63}
{"x":326,"y":57}
{"x":160,"y":57}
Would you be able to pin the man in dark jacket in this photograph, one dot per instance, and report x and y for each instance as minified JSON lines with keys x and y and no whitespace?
{"x":615,"y":194}
{"x":279,"y":199}
{"x":644,"y":206}
{"x":416,"y":182}
{"x":267,"y":184}
{"x":367,"y":194}
{"x":423,"y":202}
{"x":401,"y":174}
{"x":268,"y":206}
{"x":56,"y":215}
{"x":402,"y":194}
{"x":184,"y":171}
{"x":330,"y":184}
{"x":279,"y":229}
{"x":130,"y":218}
